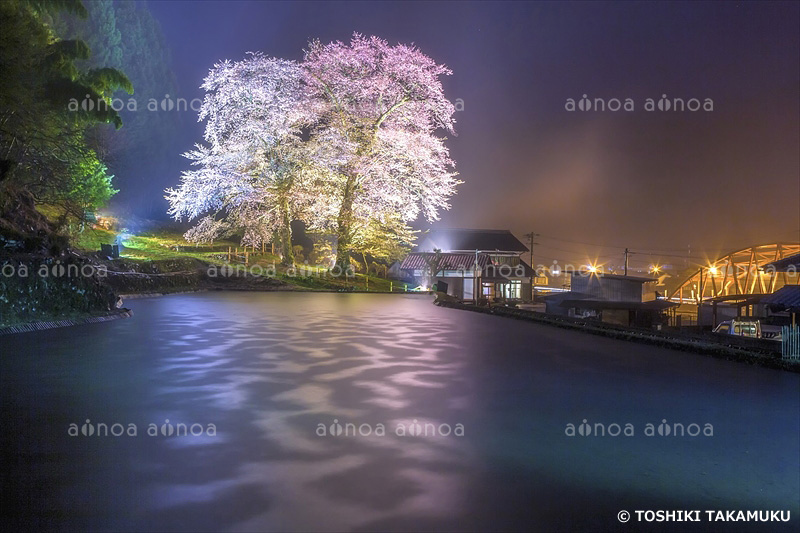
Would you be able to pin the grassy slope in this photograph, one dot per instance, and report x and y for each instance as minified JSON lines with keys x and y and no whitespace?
{"x":168,"y":245}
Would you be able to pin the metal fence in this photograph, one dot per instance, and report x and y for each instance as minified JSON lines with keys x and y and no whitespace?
{"x":790,"y":342}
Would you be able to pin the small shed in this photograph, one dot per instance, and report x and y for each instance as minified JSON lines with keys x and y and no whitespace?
{"x":786,"y":299}
{"x":613,"y":287}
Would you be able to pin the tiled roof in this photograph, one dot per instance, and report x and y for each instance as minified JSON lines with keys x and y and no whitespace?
{"x":420,"y":261}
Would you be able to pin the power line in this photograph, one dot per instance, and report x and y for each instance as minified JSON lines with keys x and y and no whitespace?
{"x":562,"y":250}
{"x":597,"y":245}
{"x":638,"y":252}
{"x":579,"y":242}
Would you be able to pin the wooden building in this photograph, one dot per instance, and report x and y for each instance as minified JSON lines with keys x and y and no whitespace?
{"x":611,"y":298}
{"x":472,"y":265}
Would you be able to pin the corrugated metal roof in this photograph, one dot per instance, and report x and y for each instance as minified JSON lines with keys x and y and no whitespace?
{"x":787,"y":264}
{"x":787,"y":296}
{"x":473,"y":239}
{"x":421,"y":260}
{"x":638,"y":279}
{"x":561,"y":296}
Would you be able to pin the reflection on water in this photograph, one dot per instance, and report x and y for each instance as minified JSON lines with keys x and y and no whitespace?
{"x":275,"y":372}
{"x":312,"y":361}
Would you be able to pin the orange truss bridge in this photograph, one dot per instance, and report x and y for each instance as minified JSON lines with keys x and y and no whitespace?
{"x":743,"y":272}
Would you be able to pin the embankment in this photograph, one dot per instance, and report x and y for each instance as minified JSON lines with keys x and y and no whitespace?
{"x":68,"y":287}
{"x":751,"y":351}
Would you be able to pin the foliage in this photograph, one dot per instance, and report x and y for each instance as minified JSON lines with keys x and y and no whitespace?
{"x":125,"y":36}
{"x":344,"y":141}
{"x":254,"y":171}
{"x":387,"y":240}
{"x":43,"y":143}
{"x":207,"y":230}
{"x":91,"y":185}
{"x":298,"y":253}
{"x":380,"y":108}
{"x":322,"y":252}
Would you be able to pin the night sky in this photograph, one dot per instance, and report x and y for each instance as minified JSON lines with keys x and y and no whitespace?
{"x":650,"y":180}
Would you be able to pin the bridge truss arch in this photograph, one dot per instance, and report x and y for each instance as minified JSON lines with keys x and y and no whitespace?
{"x":740,"y":272}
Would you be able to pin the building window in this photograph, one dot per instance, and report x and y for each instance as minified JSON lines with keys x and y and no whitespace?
{"x":488,"y":290}
{"x":510,"y":290}
{"x":515,"y":290}
{"x":511,"y":260}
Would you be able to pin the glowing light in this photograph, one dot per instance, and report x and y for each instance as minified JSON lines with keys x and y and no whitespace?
{"x":591,"y":268}
{"x":713,"y":270}
{"x":655,"y":269}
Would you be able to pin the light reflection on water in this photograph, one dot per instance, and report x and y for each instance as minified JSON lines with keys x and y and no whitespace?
{"x":268,"y":369}
{"x":309,"y":364}
{"x":315,"y":364}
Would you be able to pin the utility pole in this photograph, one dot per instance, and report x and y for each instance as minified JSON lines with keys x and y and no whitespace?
{"x":531,"y":236}
{"x":626,"y":261}
{"x":627,"y":253}
{"x":475,"y":279}
{"x":700,"y":298}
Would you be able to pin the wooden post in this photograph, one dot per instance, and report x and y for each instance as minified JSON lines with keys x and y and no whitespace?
{"x":246,"y":256}
{"x":229,"y":254}
{"x":391,"y":286}
{"x":714,"y":314}
{"x":700,"y":299}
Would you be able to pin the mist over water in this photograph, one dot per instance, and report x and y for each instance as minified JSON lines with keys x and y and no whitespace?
{"x":280,"y":377}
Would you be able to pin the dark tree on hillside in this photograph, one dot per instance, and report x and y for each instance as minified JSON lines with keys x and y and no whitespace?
{"x":127,"y":37}
{"x":43,"y":149}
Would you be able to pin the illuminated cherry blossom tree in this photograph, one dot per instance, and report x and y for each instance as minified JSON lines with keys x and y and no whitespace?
{"x":379,"y":107}
{"x":252,"y":176}
{"x":345,"y":140}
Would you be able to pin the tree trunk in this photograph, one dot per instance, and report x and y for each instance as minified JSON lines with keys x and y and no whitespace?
{"x":287,"y":253}
{"x":344,"y":228}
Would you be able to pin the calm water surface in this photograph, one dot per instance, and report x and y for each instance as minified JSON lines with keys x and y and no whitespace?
{"x":274,"y":371}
